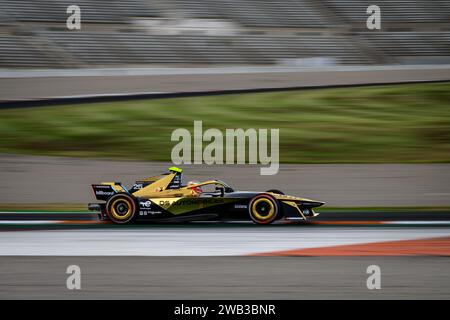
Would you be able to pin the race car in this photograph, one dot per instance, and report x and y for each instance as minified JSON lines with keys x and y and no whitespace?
{"x":165,"y":198}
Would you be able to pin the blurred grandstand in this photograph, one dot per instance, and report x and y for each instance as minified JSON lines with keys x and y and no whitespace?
{"x":136,"y":33}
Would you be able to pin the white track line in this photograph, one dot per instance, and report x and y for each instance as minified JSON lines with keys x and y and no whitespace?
{"x":28,"y":222}
{"x":95,"y":72}
{"x":197,"y":241}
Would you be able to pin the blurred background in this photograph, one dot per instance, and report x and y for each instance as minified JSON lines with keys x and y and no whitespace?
{"x":175,"y":33}
{"x":377,"y":151}
{"x":193,"y":46}
{"x":152,"y":46}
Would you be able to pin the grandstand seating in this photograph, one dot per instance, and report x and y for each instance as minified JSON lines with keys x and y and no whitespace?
{"x":97,"y":11}
{"x":398,"y":11}
{"x":265,"y":32}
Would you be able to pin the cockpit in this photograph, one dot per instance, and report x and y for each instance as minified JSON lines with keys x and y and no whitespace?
{"x":212,"y":188}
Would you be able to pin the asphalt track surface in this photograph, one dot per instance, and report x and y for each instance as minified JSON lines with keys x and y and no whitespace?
{"x":47,"y":84}
{"x":36,"y":179}
{"x":393,"y":216}
{"x":270,"y":278}
{"x":223,"y":260}
{"x":216,"y":260}
{"x":206,"y":240}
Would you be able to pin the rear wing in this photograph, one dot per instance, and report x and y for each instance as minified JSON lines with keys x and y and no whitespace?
{"x":104,"y":191}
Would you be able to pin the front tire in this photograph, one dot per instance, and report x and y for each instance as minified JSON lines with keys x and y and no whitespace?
{"x":263,"y":209}
{"x":121,"y":208}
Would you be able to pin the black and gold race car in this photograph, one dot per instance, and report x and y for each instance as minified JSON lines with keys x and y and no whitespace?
{"x":165,"y":198}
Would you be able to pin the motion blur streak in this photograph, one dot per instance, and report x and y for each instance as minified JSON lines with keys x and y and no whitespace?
{"x":197,"y":241}
{"x":24,"y":88}
{"x":353,"y":185}
{"x":225,"y":278}
{"x":368,"y":149}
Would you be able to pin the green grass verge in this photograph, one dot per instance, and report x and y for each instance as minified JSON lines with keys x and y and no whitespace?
{"x":401,"y":123}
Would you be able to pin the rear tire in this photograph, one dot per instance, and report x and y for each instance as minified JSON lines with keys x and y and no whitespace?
{"x":121,"y":208}
{"x":263,"y":209}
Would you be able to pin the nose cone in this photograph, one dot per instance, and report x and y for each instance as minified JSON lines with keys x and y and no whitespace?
{"x":312,"y":203}
{"x":302,"y":201}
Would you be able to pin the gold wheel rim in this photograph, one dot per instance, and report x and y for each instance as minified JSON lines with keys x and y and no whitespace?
{"x":118,"y":215}
{"x":269,"y":215}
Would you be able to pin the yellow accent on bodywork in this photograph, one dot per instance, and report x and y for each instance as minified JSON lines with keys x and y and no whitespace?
{"x":200,"y":184}
{"x":182,"y":205}
{"x":294,"y":204}
{"x":116,"y":187}
{"x":156,"y":187}
{"x":284,"y":197}
{"x":168,"y":193}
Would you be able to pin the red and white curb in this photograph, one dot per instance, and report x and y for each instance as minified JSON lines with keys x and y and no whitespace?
{"x":417,"y":247}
